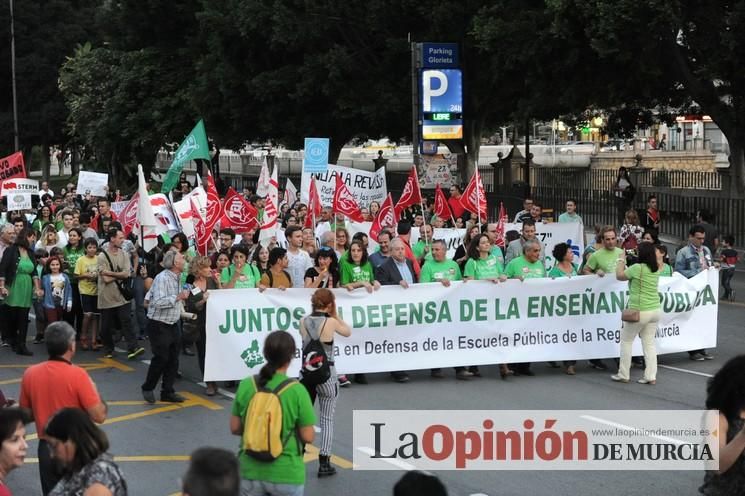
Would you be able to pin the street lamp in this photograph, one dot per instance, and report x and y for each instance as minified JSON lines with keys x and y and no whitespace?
{"x":13,"y":77}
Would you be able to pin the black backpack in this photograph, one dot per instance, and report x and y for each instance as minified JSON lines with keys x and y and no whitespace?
{"x":316,"y":367}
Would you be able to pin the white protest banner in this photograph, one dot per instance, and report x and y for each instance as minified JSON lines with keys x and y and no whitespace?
{"x":553,"y":233}
{"x":20,"y":185}
{"x":365,"y":186}
{"x":92,"y":183}
{"x":182,"y":209}
{"x":117,"y":207}
{"x":474,"y":323}
{"x":19,"y":201}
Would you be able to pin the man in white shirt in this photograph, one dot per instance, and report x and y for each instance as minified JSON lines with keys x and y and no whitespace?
{"x":44,"y":190}
{"x":68,"y":222}
{"x":299,"y":260}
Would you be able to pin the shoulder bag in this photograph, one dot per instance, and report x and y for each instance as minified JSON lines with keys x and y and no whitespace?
{"x":125,"y":285}
{"x":629,"y":314}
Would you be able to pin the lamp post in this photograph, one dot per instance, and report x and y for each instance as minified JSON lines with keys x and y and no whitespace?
{"x":13,"y":77}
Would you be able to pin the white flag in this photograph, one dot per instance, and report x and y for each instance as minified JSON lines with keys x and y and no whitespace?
{"x":145,"y":214}
{"x":262,"y":186}
{"x":290,"y":193}
{"x":271,"y":211}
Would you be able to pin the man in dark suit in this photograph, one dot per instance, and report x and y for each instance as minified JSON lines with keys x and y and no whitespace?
{"x":397,"y":270}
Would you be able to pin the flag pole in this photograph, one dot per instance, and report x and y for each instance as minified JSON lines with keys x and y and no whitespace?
{"x":478,"y":197}
{"x":421,"y":205}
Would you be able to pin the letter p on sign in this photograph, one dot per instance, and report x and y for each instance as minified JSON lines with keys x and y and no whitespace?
{"x":430,"y":90}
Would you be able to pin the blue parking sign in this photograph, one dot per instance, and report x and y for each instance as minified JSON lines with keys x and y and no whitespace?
{"x":316,"y":155}
{"x":441,"y":90}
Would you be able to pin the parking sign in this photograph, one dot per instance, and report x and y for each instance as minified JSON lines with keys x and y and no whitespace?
{"x":441,"y":90}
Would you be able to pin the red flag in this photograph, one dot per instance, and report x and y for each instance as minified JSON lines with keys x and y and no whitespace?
{"x":501,"y":226}
{"x":345,"y":203}
{"x":128,"y":215}
{"x":238,"y":214}
{"x":214,"y":208}
{"x":474,"y":196}
{"x":411,"y":194}
{"x":314,"y":204}
{"x":441,"y":208}
{"x":12,"y":167}
{"x":201,"y":233}
{"x":386,"y":217}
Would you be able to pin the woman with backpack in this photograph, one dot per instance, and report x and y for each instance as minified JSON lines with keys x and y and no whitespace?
{"x":262,"y":472}
{"x":319,"y":328}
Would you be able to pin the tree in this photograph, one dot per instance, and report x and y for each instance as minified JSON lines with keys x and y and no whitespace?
{"x":668,"y":55}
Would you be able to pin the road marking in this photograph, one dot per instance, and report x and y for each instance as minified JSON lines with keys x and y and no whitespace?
{"x":392,"y":461}
{"x":311,"y":453}
{"x":191,"y":400}
{"x":628,"y":427}
{"x":101,"y":364}
{"x":694,"y":372}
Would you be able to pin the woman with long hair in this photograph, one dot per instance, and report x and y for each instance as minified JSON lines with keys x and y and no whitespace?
{"x":43,"y":217}
{"x":298,"y":419}
{"x":323,"y":324}
{"x":80,"y":449}
{"x":325,"y":270}
{"x":356,"y":271}
{"x":13,"y":447}
{"x":631,"y":232}
{"x":461,"y":253}
{"x":643,"y":297}
{"x":483,"y":266}
{"x":624,"y":192}
{"x":260,"y":259}
{"x":48,"y":238}
{"x":19,"y":283}
{"x":726,"y":392}
{"x":203,"y":281}
{"x":72,"y":252}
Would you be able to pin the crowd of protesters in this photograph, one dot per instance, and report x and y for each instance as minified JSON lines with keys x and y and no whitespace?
{"x":70,"y":261}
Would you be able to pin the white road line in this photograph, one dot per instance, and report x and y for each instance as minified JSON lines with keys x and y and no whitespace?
{"x":628,"y":427}
{"x":392,"y":461}
{"x":703,"y":374}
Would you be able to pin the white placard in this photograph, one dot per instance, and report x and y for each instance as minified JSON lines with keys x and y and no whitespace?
{"x":92,"y":183}
{"x":20,"y":185}
{"x":19,"y":201}
{"x":365,"y":186}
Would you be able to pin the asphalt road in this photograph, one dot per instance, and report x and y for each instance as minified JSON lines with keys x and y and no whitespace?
{"x":152,"y":442}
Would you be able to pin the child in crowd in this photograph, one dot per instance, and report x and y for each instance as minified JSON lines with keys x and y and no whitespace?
{"x":86,"y":270}
{"x":57,"y":291}
{"x":728,"y":260}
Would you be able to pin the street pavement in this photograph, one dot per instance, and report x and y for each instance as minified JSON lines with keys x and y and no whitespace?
{"x":152,"y":442}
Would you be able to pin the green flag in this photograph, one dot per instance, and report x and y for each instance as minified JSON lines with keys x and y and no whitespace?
{"x":193,"y":147}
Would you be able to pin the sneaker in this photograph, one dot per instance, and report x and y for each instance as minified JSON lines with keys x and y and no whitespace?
{"x":4,"y":344}
{"x":344,"y":381}
{"x":570,"y":370}
{"x":172,"y":398}
{"x":618,"y":378}
{"x":463,"y":375}
{"x":134,"y":353}
{"x":108,"y":354}
{"x":645,"y":381}
{"x":697,"y":357}
{"x":149,"y":396}
{"x":707,"y":356}
{"x":437,"y":374}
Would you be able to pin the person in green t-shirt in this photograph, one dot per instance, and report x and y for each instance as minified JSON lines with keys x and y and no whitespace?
{"x":665,"y":269}
{"x":481,"y":264}
{"x":565,"y":266}
{"x":422,"y":249}
{"x":602,"y":262}
{"x":355,"y":271}
{"x":442,"y":270}
{"x":644,"y":296}
{"x":526,"y":266}
{"x":240,"y":274}
{"x":286,"y":474}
